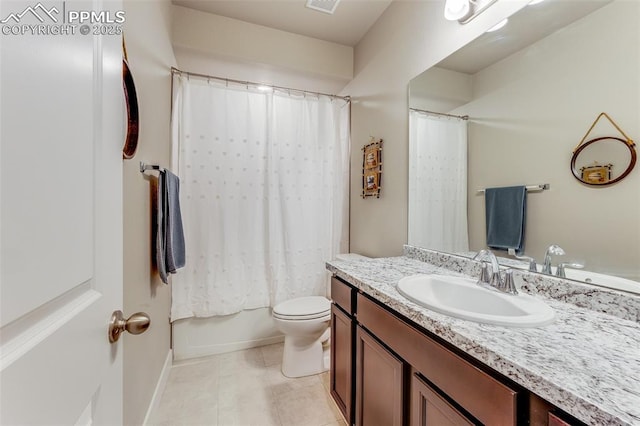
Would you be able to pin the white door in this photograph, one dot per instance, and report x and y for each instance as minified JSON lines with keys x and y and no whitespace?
{"x":61,"y":134}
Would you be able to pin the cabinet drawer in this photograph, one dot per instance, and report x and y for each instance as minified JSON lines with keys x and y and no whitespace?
{"x":343,"y":295}
{"x":485,"y":398}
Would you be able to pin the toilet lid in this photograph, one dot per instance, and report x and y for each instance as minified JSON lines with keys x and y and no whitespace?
{"x":303,"y":308}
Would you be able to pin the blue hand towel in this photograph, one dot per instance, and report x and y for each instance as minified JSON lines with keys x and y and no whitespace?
{"x":505,"y":210}
{"x":170,"y":246}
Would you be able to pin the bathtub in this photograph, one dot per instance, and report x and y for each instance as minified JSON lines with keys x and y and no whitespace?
{"x":198,"y":337}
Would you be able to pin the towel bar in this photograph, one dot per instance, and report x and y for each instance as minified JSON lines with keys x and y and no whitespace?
{"x":144,"y":167}
{"x":530,"y":188}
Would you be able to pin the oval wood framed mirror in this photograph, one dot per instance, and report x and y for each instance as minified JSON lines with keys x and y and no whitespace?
{"x":603,"y":161}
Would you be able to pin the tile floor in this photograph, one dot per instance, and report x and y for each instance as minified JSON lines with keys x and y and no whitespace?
{"x":244,"y":388}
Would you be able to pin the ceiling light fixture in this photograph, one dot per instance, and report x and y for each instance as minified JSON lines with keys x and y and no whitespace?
{"x":499,"y":25}
{"x":456,"y":9}
{"x":325,"y":6}
{"x":464,"y":11}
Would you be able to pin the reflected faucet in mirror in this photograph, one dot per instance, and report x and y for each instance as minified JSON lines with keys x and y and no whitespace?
{"x":560,"y":272}
{"x":533,"y":266}
{"x":552,"y":250}
{"x":547,"y":268}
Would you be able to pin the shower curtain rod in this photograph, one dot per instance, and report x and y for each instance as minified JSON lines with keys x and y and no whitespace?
{"x":462,"y":117}
{"x":175,"y":70}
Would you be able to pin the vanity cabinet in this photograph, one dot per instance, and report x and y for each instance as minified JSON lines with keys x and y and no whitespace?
{"x":385,"y":370}
{"x":343,"y":327}
{"x":484,"y":397}
{"x":379,"y":383}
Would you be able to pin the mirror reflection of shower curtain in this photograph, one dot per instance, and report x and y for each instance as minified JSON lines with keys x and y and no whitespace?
{"x":438,"y":182}
{"x":264,"y":194}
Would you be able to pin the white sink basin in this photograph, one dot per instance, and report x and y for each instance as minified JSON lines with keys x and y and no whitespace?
{"x":464,"y":298}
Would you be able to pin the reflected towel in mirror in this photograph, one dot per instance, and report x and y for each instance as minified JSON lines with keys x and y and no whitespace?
{"x":505,"y":210}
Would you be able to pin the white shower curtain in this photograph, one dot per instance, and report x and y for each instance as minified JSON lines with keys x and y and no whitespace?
{"x":264,"y":194}
{"x":438,"y":182}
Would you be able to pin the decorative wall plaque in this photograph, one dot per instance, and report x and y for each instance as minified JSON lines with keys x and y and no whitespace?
{"x":372,"y":168}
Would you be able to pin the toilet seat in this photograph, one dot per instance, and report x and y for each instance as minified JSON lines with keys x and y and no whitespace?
{"x":303,"y":308}
{"x":303,"y":317}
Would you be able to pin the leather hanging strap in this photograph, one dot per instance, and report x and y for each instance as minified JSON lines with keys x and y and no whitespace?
{"x":627,"y":139}
{"x":131,"y":100}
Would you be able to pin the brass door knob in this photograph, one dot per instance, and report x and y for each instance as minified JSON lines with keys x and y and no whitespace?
{"x":135,"y":324}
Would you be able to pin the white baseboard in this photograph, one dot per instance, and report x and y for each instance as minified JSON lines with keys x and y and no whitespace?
{"x":221,"y":348}
{"x":159,"y":390}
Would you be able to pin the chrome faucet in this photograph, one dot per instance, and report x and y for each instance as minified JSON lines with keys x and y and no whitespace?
{"x":507,"y":285}
{"x":551,"y":250}
{"x":533,"y":267}
{"x":562,"y":266}
{"x":495,"y":267}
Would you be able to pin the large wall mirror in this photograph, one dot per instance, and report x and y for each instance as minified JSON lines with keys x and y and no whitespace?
{"x":517,"y":101}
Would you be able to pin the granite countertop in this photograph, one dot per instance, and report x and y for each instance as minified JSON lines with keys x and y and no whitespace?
{"x":586,"y":362}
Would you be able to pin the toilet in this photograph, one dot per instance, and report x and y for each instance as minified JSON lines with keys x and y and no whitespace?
{"x":304,"y":321}
{"x":305,"y":324}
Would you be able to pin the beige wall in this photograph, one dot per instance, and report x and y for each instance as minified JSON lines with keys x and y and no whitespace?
{"x":408,"y":38}
{"x":530,"y":111}
{"x":147,"y":34}
{"x":440,"y":90}
{"x":225,"y":47}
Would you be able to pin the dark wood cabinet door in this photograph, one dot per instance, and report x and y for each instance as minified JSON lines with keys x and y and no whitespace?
{"x":554,"y":420}
{"x":430,"y":409}
{"x":342,"y":329}
{"x":379,"y":383}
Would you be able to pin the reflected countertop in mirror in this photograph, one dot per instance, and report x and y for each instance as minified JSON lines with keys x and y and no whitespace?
{"x":589,"y":277}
